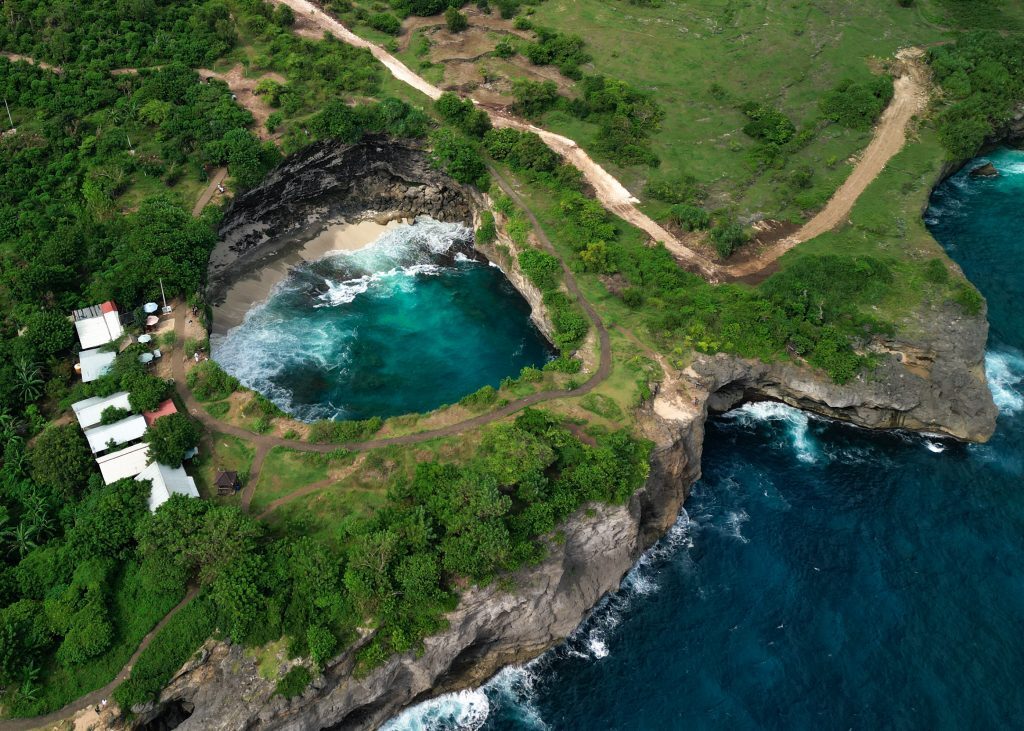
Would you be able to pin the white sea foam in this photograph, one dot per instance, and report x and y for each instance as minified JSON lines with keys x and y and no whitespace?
{"x":797,"y":423}
{"x":1005,"y":371}
{"x":466,"y":710}
{"x":264,"y":346}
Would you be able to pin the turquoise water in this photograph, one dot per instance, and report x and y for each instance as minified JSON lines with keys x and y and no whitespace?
{"x":405,"y":324}
{"x":821,"y":576}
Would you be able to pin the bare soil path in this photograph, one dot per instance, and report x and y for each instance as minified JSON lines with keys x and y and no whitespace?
{"x":910,"y":97}
{"x":207,"y":195}
{"x":15,"y":57}
{"x":94,"y":698}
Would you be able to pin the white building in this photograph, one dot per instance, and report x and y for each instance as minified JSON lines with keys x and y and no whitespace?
{"x":98,"y":325}
{"x":120,"y":432}
{"x":126,"y":462}
{"x":90,"y":411}
{"x":166,"y":482}
{"x":93,"y":364}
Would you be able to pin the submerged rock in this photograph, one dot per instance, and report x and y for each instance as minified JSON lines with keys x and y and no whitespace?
{"x":988,"y":170}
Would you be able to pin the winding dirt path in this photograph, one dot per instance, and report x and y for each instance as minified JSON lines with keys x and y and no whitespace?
{"x":207,"y":195}
{"x":910,"y":97}
{"x":16,"y":57}
{"x":93,"y":698}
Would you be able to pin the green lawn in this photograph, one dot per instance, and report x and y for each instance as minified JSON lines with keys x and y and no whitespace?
{"x":285,"y":471}
{"x":783,"y":52}
{"x":229,"y":453}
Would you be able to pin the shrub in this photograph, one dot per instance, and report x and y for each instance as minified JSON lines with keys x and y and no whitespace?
{"x":460,"y":158}
{"x":170,"y":437}
{"x":677,"y":189}
{"x":113,"y":414}
{"x":935,"y":271}
{"x":727,"y":237}
{"x":385,"y":23}
{"x":218,"y":409}
{"x":969,"y":299}
{"x":344,"y":431}
{"x":294,"y":682}
{"x":564,"y":364}
{"x":486,"y":232}
{"x":485,"y":396}
{"x":601,"y":405}
{"x":456,"y":21}
{"x":504,"y":49}
{"x":210,"y":383}
{"x":689,"y":217}
{"x":767,"y":124}
{"x":857,"y":104}
{"x":169,"y":650}
{"x":541,"y":268}
{"x":533,"y":98}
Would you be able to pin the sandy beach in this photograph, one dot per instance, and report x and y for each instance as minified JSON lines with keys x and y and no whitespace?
{"x":255,"y":287}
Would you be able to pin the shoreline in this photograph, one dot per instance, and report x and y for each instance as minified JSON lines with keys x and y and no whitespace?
{"x":256,"y":286}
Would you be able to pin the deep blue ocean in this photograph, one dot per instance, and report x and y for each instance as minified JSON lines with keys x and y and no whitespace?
{"x":403,"y":325}
{"x":821,"y":576}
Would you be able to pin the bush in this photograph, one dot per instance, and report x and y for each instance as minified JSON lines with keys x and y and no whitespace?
{"x":385,"y":23}
{"x":486,"y":232}
{"x":767,"y":124}
{"x":344,"y":431}
{"x":969,"y":299}
{"x":170,"y":437}
{"x":504,"y":49}
{"x":209,"y":382}
{"x":294,"y":682}
{"x":460,"y":158}
{"x":677,"y":189}
{"x":456,"y":21}
{"x":533,"y":98}
{"x":691,"y":218}
{"x":857,"y":104}
{"x":935,"y":271}
{"x":541,"y":268}
{"x":727,"y":237}
{"x":564,"y":364}
{"x":113,"y":414}
{"x":485,"y":396}
{"x":169,"y":650}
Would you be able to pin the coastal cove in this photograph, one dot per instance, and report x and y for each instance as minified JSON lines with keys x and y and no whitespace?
{"x":394,"y":320}
{"x":820,"y":575}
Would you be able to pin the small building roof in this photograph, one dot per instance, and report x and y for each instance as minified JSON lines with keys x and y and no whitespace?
{"x":166,"y":482}
{"x":127,"y":462}
{"x":227,"y":479}
{"x":95,"y":363}
{"x":164,"y":409}
{"x":120,"y":432}
{"x":89,"y":411}
{"x":98,"y":324}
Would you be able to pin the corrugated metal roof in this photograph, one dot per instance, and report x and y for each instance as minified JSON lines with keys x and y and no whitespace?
{"x":91,"y":410}
{"x":127,"y":462}
{"x":120,"y":432}
{"x":166,"y":482}
{"x":95,"y":363}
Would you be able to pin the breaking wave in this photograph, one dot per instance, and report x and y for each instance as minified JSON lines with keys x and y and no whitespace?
{"x":384,"y":330}
{"x":1005,"y":371}
{"x":797,"y":425}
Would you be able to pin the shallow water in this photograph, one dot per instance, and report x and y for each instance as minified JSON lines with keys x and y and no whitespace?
{"x":821,"y":576}
{"x":405,"y":324}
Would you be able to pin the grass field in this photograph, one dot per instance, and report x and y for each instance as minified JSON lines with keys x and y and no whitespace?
{"x":782,"y":52}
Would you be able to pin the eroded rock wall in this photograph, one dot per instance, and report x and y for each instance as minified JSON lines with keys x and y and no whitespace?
{"x":377,"y":178}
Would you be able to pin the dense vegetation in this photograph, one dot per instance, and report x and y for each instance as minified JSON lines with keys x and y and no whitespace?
{"x":982,"y":76}
{"x":396,"y":571}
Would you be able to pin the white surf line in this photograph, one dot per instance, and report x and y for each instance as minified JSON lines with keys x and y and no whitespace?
{"x":612,"y":194}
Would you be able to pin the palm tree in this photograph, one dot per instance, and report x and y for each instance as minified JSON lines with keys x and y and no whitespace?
{"x":29,"y":380}
{"x":20,"y":538}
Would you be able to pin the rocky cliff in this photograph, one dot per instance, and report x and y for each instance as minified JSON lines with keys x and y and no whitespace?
{"x":934,"y":383}
{"x":326,"y":182}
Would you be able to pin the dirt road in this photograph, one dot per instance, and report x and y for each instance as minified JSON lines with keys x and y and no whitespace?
{"x":15,"y":57}
{"x":207,"y":195}
{"x":612,"y":194}
{"x":910,"y":96}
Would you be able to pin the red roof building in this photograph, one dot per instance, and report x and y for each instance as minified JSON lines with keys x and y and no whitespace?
{"x":164,"y":409}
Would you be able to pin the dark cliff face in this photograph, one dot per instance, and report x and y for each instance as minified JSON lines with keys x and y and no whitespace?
{"x":325,"y":182}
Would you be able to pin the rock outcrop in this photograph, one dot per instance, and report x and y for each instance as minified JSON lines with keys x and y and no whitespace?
{"x":935,"y":383}
{"x":377,"y":178}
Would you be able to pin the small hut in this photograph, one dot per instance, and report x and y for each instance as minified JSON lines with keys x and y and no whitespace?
{"x":227,"y":483}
